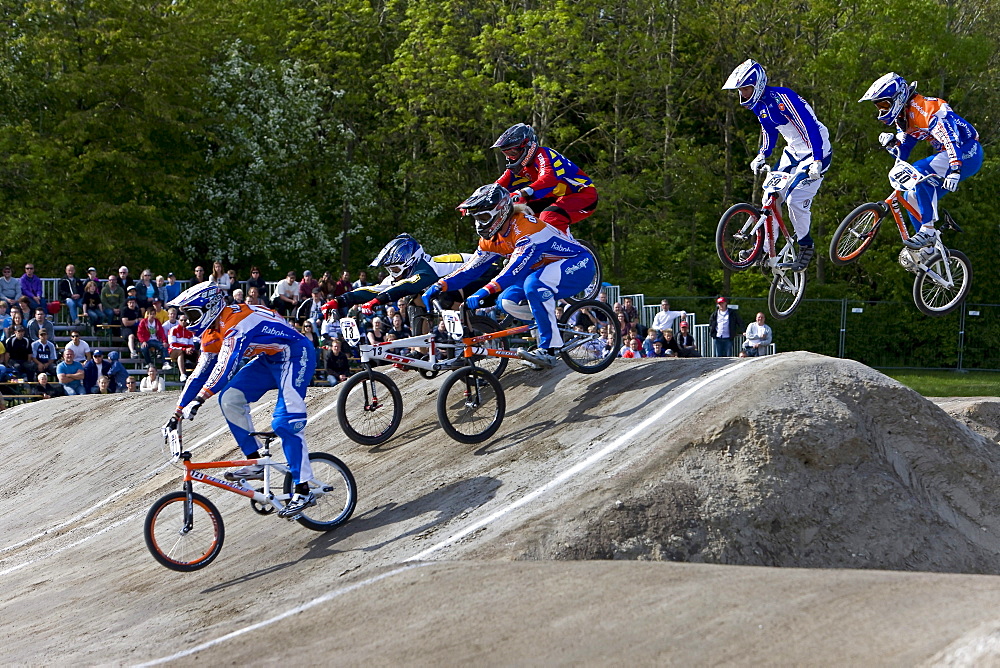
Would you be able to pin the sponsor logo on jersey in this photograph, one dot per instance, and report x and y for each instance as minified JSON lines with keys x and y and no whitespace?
{"x":303,"y":363}
{"x":556,"y":246}
{"x":272,"y":330}
{"x":546,"y":295}
{"x":572,"y":269}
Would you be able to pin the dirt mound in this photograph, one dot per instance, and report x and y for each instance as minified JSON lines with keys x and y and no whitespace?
{"x":980,"y":414}
{"x":808,"y":462}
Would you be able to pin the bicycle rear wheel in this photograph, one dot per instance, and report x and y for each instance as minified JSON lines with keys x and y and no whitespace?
{"x":484,"y":325}
{"x":335,"y":490}
{"x":594,"y":287}
{"x":786,"y":292}
{"x":856,"y":233}
{"x":181,"y":539}
{"x":738,"y":250}
{"x":584,"y":351}
{"x":471,"y":405}
{"x":934,"y":298}
{"x":369,"y":408}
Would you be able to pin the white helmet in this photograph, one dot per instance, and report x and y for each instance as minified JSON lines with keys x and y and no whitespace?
{"x":890,"y":93}
{"x":749,"y":73}
{"x":202,"y":304}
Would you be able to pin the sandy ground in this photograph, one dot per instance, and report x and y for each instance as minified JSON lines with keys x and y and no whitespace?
{"x":792,"y":509}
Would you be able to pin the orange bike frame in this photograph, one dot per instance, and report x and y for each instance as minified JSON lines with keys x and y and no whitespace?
{"x":192,"y":473}
{"x":470,"y":343}
{"x":895,"y":201}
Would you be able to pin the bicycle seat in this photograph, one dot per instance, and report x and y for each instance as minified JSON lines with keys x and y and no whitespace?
{"x":948,"y":223}
{"x":266,"y":435}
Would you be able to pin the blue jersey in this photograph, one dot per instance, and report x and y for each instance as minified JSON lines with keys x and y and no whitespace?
{"x":782,"y":110}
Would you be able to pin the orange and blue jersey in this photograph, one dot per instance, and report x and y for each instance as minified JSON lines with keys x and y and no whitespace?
{"x":549,"y":174}
{"x":931,"y":119}
{"x":528,"y":242}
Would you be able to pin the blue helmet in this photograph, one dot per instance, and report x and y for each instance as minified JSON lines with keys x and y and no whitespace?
{"x":202,"y":304}
{"x":890,"y":93}
{"x":400,"y":256}
{"x":749,"y":73}
{"x":490,"y":206}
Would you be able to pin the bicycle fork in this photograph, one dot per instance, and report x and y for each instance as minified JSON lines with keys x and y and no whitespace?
{"x":188,"y":509}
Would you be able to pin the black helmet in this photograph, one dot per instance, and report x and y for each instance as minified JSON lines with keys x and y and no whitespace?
{"x":490,"y":206}
{"x":521,"y":137}
{"x":400,"y":256}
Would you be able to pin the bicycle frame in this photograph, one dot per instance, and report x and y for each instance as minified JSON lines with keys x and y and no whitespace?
{"x":775,"y":185}
{"x":382,"y":351}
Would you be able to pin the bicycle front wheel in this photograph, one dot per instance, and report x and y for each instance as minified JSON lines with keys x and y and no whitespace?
{"x":786,"y":293}
{"x":737,"y":247}
{"x":483,"y":325}
{"x":181,"y":537}
{"x":471,"y":405}
{"x":335,"y":490}
{"x":594,"y":287}
{"x":585,"y":351}
{"x":369,"y":408}
{"x":931,"y":293}
{"x":856,"y":233}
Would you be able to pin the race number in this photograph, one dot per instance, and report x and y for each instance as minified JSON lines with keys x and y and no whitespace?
{"x":349,"y":328}
{"x":453,"y":323}
{"x":904,"y":176}
{"x":776,"y":181}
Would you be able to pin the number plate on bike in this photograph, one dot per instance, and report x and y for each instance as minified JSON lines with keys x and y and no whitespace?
{"x":776,"y":181}
{"x":453,"y":323}
{"x":174,"y":439}
{"x":349,"y":328}
{"x":904,"y":176}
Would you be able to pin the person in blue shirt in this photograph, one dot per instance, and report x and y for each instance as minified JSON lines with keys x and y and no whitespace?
{"x":70,"y":373}
{"x":807,"y":146}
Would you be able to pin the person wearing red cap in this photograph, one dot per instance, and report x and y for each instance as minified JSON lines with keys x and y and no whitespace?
{"x":686,"y":342}
{"x":724,"y":326}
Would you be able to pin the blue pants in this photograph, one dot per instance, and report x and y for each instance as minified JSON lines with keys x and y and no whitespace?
{"x":723,"y":347}
{"x":928,"y":192}
{"x":290,"y":373}
{"x":544,"y":286}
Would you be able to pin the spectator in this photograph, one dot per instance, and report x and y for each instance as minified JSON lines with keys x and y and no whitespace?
{"x":238,"y":297}
{"x":331,"y":329}
{"x":442,"y":337}
{"x":39,"y":322}
{"x":220,"y":277}
{"x":80,"y":348}
{"x":152,"y":339}
{"x":123,"y":278}
{"x":170,"y":323}
{"x":376,"y":334}
{"x":724,"y":326}
{"x":631,"y":350}
{"x":44,"y":355}
{"x":31,"y":288}
{"x":47,"y":389}
{"x":311,"y":308}
{"x":309,"y":331}
{"x":161,"y":288}
{"x":112,"y":300}
{"x":199,"y":276}
{"x":145,"y":289}
{"x":70,"y":374}
{"x":670,"y":346}
{"x":338,"y":366}
{"x":327,"y":284}
{"x":5,"y":320}
{"x":161,"y":314}
{"x":758,"y":335}
{"x":652,"y":336}
{"x":71,"y":292}
{"x":257,"y":281}
{"x":10,"y":288}
{"x":104,"y":385}
{"x":361,"y":282}
{"x":234,"y":282}
{"x":153,"y":382}
{"x":181,"y":342}
{"x":686,"y":342}
{"x":657,"y":349}
{"x":307,"y":285}
{"x":96,"y":368}
{"x":91,"y":304}
{"x":628,"y":308}
{"x":399,"y":330}
{"x":254,"y":298}
{"x":92,"y":276}
{"x":286,"y":295}
{"x":130,"y":317}
{"x":131,"y":385}
{"x":16,"y":318}
{"x":665,"y":317}
{"x":118,"y":373}
{"x":133,"y":292}
{"x":19,"y":353}
{"x":171,"y":289}
{"x":343,"y":285}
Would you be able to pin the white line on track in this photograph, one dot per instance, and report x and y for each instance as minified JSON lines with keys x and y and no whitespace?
{"x":604,"y":452}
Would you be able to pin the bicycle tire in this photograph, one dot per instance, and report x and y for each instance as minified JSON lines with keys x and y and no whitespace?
{"x":475,"y":409}
{"x":575,"y":351}
{"x":481,"y":324}
{"x":730,"y":247}
{"x":180,"y":550}
{"x":786,"y":293}
{"x":336,"y":504}
{"x":927,"y":294}
{"x":594,"y":287}
{"x":362,"y":420}
{"x":856,"y":233}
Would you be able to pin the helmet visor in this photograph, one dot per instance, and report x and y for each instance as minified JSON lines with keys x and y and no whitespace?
{"x":193,"y":314}
{"x":483,"y":216}
{"x":884,"y":104}
{"x":395,"y":270}
{"x":746,"y":93}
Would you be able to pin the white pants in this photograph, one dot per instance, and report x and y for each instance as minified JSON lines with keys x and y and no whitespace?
{"x":800,"y":198}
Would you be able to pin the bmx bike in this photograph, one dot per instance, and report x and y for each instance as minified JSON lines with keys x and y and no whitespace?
{"x":748,"y":235}
{"x":471,"y":402}
{"x":184,"y":530}
{"x":943,"y":275}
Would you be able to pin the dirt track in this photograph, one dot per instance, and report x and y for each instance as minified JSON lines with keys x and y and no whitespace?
{"x":462,"y":553}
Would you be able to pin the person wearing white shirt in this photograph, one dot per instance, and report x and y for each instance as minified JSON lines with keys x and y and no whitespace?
{"x":80,"y":348}
{"x":665,"y":318}
{"x":153,"y":382}
{"x":758,"y":335}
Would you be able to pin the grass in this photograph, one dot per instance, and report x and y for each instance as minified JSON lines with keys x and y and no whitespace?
{"x":949,"y":383}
